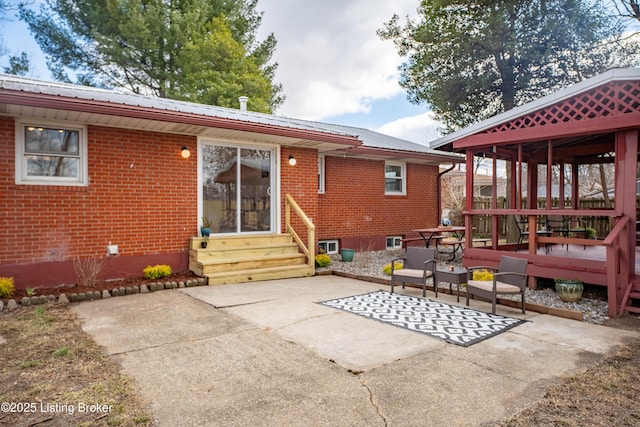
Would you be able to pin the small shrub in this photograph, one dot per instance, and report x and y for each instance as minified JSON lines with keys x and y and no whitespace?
{"x":157,"y":271}
{"x":386,"y":270}
{"x":88,"y":270}
{"x":31,"y":292}
{"x":6,"y":287}
{"x":483,"y":275}
{"x":322,"y":260}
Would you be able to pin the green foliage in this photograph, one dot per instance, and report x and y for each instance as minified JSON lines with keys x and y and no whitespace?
{"x":323,"y":260}
{"x":6,"y":287}
{"x":18,"y":65}
{"x":157,"y":271}
{"x":470,"y":60}
{"x":199,"y":50}
{"x":386,"y":270}
{"x":31,"y":292}
{"x":590,"y":233}
{"x":61,"y":351}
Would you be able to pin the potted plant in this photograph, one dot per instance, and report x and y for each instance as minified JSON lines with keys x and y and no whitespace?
{"x":205,"y":229}
{"x":590,"y":233}
{"x":347,"y":254}
{"x":205,"y":242}
{"x":569,"y":290}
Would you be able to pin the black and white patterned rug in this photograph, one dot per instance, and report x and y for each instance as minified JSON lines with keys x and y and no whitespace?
{"x":458,"y":325}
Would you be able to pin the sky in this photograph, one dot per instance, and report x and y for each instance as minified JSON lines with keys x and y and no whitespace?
{"x":333,"y":66}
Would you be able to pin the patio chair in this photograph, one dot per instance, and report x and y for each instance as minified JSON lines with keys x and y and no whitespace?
{"x":419,"y":264}
{"x":522,"y":223}
{"x":559,"y":225}
{"x":509,"y":278}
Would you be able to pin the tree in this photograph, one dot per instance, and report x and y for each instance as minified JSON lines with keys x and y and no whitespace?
{"x":470,"y":60}
{"x":168,"y":48}
{"x":18,"y":65}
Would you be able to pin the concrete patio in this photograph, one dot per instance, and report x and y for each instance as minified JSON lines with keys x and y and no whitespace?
{"x":267,"y":354}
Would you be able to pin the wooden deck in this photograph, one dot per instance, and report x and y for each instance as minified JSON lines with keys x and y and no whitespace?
{"x":585,"y":263}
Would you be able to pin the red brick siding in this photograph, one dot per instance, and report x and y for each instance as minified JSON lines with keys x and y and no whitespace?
{"x":355,"y":209}
{"x":301,"y":182}
{"x":142,"y":196}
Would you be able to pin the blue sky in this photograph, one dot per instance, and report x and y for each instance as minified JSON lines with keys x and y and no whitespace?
{"x":332,"y":65}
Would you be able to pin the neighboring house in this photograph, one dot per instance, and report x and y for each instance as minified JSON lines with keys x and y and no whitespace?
{"x":86,"y":168}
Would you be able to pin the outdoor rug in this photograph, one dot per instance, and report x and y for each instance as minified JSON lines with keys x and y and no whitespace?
{"x":453,"y":324}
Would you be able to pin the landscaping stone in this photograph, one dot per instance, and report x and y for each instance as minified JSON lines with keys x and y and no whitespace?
{"x":105,"y":294}
{"x":62,"y":299}
{"x":1,"y":305}
{"x":181,"y":285}
{"x":144,"y":289}
{"x":73,"y":297}
{"x":12,"y":304}
{"x":51,"y":298}
{"x":128,"y":290}
{"x":25,"y":301}
{"x":82,"y":296}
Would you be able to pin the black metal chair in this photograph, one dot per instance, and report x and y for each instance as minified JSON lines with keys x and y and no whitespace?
{"x":509,"y":278}
{"x":419,"y":265}
{"x":523,"y":229}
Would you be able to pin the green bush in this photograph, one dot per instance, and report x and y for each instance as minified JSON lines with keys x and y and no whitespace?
{"x":387,"y":268}
{"x":6,"y":287}
{"x":157,"y":271}
{"x":322,"y":260}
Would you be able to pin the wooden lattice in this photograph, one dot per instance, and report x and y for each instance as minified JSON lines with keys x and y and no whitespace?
{"x":611,"y":99}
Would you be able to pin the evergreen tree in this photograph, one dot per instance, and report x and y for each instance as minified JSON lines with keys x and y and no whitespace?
{"x":177,"y":49}
{"x":472,"y":59}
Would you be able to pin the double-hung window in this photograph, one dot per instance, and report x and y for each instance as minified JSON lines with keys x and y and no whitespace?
{"x":395,"y":181}
{"x":51,"y":154}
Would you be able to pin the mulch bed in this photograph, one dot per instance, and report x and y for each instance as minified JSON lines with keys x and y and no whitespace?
{"x":100,"y":286}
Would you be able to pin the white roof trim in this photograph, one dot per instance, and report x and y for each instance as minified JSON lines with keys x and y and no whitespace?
{"x":615,"y":74}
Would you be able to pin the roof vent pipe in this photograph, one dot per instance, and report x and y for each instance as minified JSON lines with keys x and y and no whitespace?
{"x":243,"y":103}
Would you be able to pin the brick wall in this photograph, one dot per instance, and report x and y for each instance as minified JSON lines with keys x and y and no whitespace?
{"x":301,"y":182}
{"x":355,"y":210}
{"x":142,"y":196}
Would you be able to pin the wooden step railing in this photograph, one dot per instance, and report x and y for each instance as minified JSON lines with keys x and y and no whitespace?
{"x":309,"y":248}
{"x":620,"y":268}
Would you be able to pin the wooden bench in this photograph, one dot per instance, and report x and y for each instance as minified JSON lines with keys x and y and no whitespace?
{"x":454,"y":241}
{"x":418,"y":238}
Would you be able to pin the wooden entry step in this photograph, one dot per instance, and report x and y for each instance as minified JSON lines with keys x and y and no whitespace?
{"x":236,"y":259}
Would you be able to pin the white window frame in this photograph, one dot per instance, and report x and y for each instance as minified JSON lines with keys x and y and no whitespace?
{"x":321,"y":174}
{"x":402,"y":178}
{"x":397,"y":242}
{"x":21,"y":157}
{"x":324,"y":244}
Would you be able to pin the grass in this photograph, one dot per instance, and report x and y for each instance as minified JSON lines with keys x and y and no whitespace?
{"x":49,"y":360}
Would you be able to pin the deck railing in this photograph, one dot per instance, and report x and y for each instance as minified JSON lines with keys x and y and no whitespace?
{"x":619,"y":272}
{"x":309,"y":248}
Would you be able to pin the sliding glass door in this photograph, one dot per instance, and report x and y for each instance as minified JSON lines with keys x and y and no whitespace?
{"x":237,"y":187}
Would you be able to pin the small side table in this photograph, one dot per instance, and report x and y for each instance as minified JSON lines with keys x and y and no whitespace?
{"x":457,"y":276}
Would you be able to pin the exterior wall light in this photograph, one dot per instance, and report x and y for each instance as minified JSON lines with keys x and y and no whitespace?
{"x":292,"y":161}
{"x":185,"y":153}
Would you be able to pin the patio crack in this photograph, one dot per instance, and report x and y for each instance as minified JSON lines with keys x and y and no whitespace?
{"x":372,"y":400}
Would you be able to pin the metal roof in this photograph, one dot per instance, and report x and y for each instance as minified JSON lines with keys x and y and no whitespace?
{"x":618,"y":74}
{"x":369,"y":139}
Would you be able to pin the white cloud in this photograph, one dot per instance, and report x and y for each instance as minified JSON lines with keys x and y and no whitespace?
{"x":331,"y":61}
{"x":420,"y":129}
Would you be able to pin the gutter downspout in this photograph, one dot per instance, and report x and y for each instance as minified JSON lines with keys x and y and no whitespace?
{"x":439,"y":191}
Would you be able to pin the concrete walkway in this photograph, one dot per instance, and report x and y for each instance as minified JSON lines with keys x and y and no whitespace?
{"x":266,"y":354}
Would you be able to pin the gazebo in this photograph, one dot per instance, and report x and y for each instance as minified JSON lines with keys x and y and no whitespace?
{"x":542,"y":145}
